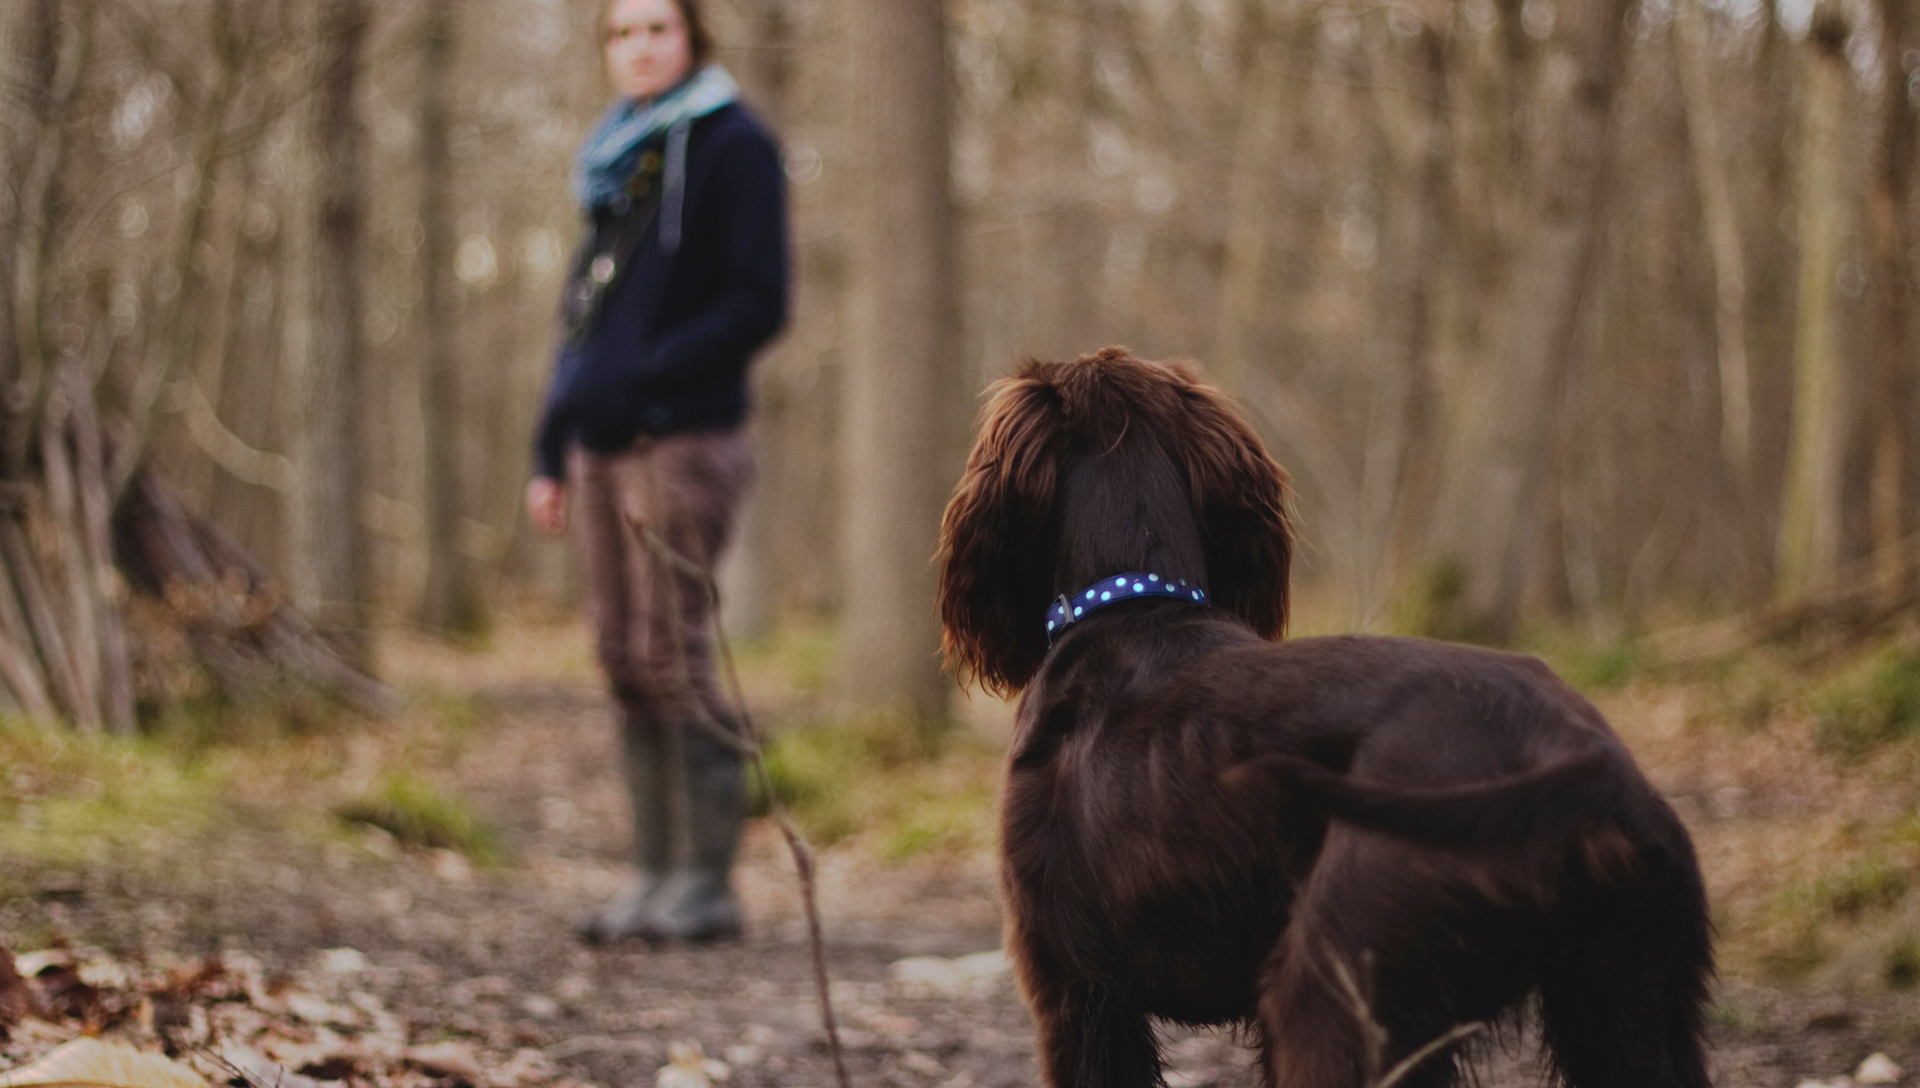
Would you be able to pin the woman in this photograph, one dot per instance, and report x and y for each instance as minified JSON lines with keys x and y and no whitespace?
{"x":681,"y":277}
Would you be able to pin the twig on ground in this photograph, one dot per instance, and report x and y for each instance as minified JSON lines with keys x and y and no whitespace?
{"x":1374,"y":1034}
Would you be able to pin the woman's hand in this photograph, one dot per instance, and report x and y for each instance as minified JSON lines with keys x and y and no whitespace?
{"x":547,"y":505}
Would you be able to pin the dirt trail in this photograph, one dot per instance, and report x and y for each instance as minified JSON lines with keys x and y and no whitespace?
{"x":489,"y":956}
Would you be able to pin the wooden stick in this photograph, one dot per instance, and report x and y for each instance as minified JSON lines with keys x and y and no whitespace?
{"x":750,"y":744}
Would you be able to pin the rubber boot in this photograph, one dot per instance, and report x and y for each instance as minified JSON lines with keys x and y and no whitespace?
{"x":644,"y":761}
{"x":696,"y":903}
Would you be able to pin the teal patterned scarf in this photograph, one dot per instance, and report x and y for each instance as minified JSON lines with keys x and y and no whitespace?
{"x":609,"y":154}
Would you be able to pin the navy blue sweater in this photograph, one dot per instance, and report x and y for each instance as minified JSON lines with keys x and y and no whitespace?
{"x":677,"y":331}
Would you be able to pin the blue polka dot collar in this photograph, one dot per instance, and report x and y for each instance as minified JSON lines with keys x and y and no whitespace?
{"x":1068,"y":609}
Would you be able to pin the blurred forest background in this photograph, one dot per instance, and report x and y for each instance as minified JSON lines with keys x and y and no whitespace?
{"x":1588,"y":313}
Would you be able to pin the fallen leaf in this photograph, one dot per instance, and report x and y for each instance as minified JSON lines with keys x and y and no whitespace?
{"x":343,"y":961}
{"x":264,"y":1072}
{"x":884,"y":1022}
{"x":972,"y":974}
{"x":197,"y":979}
{"x":689,"y":1067}
{"x":30,"y":964}
{"x":452,"y":867}
{"x":918,"y":1062}
{"x":450,"y":1059}
{"x":63,"y":993}
{"x":526,"y":1067}
{"x":315,"y":1010}
{"x":1878,"y":1069}
{"x":16,"y":1000}
{"x":90,"y":1063}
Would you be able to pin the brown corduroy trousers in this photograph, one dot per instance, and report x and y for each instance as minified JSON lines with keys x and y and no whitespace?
{"x":647,"y":620}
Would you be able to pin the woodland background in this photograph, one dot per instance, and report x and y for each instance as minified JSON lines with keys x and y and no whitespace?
{"x":1584,"y":326}
{"x":1584,"y":313}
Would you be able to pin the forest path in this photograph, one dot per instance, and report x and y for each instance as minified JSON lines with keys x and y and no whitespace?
{"x":487,"y":956}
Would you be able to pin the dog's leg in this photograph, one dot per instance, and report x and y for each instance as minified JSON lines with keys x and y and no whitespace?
{"x":1624,"y":996}
{"x":1090,"y":1036}
{"x":1380,"y":959}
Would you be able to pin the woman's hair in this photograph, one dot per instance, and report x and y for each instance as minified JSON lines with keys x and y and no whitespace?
{"x":699,"y":41}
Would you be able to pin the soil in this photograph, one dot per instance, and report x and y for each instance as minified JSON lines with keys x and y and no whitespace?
{"x":488,"y":956}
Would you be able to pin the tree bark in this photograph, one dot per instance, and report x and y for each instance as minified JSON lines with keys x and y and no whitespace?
{"x":1500,"y":449}
{"x":1400,"y":420}
{"x":1250,"y":188}
{"x":176,"y":343}
{"x":1811,"y":515}
{"x":453,"y":603}
{"x":46,"y":66}
{"x":746,"y":575}
{"x":1705,"y":140}
{"x":324,"y":340}
{"x":1892,"y":232}
{"x":903,"y":338}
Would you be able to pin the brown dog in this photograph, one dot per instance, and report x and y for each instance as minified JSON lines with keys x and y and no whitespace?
{"x":1352,"y":846}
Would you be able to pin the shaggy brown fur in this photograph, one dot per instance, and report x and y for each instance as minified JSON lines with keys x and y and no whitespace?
{"x":1206,"y":825}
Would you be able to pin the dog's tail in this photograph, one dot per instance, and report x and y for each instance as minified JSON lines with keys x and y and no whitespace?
{"x":1551,"y":801}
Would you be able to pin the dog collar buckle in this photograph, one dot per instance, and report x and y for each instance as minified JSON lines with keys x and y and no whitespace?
{"x":1059,"y":614}
{"x":1066,"y":609}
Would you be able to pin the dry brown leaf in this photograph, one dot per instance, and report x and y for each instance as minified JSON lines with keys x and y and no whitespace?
{"x":200,"y":978}
{"x":448,"y":1060}
{"x":16,"y":1000}
{"x":263,"y":1072}
{"x":90,"y":1063}
{"x":527,"y":1067}
{"x":689,"y":1067}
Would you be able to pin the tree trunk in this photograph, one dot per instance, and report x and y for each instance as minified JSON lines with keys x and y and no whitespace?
{"x":1497,"y":476}
{"x":453,"y":603}
{"x":176,"y":342}
{"x":1811,"y":515}
{"x":46,"y":66}
{"x":1242,"y":294}
{"x":62,"y":644}
{"x":1400,"y":421}
{"x":1892,"y":233}
{"x":1704,"y":138}
{"x":747,"y":570}
{"x":903,"y":337}
{"x":1075,"y":230}
{"x":324,"y":341}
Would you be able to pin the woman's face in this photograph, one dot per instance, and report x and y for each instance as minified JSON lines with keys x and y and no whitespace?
{"x":647,"y":47}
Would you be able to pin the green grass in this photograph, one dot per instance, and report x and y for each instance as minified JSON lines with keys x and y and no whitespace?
{"x":910,"y":789}
{"x":1587,"y":664}
{"x":418,"y":814}
{"x":69,"y":798}
{"x":1869,"y":705}
{"x":1902,"y":971}
{"x":1805,"y":920}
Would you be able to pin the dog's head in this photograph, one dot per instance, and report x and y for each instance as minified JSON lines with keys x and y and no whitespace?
{"x":1097,"y":467}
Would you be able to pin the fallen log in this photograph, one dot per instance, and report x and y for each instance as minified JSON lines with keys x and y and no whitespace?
{"x":1867,"y":596}
{"x":240,"y":625}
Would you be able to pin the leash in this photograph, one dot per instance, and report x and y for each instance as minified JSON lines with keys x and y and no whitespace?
{"x":1068,"y":609}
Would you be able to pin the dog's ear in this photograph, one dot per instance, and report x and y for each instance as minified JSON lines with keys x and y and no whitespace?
{"x":1240,"y":500}
{"x":998,"y":539}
